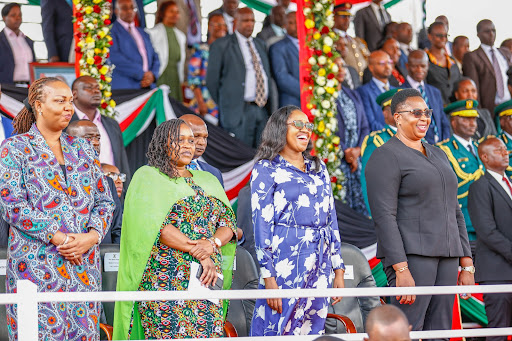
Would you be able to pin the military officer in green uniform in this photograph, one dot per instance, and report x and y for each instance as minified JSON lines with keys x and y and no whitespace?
{"x":504,"y":113}
{"x":462,"y":152}
{"x":377,"y":138}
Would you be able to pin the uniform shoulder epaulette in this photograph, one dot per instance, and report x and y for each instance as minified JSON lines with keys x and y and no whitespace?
{"x":485,"y":138}
{"x":442,"y":142}
{"x":373,"y":133}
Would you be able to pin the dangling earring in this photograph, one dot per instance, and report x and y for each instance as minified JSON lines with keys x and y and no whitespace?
{"x":40,"y":113}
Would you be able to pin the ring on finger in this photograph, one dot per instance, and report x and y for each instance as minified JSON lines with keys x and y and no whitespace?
{"x":74,"y":255}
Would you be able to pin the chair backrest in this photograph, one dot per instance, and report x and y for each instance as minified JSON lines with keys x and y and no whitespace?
{"x":4,"y":333}
{"x":358,"y":275}
{"x":245,"y":276}
{"x":109,"y":265}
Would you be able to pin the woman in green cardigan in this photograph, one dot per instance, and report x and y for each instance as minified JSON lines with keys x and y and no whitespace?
{"x":173,"y":217}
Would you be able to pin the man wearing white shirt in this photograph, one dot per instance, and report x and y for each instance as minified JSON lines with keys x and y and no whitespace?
{"x":228,"y":11}
{"x":490,"y":208}
{"x":504,"y":112}
{"x":488,"y":67}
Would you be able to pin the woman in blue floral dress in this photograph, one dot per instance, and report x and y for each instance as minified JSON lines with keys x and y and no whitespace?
{"x":295,"y":225}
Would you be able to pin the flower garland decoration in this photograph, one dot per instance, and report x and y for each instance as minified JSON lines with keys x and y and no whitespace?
{"x":323,"y":86}
{"x":92,"y":18}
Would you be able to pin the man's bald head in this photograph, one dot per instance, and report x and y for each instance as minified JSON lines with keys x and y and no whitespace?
{"x":494,"y":155}
{"x":419,"y":55}
{"x":200,"y":132}
{"x":380,"y":65}
{"x":387,"y":323}
{"x":244,"y":21}
{"x":87,"y":130}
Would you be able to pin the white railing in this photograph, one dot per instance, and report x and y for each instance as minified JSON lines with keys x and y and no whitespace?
{"x":27,"y":298}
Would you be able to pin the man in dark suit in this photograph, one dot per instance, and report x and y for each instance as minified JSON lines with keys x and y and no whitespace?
{"x":140,"y":16}
{"x":370,"y":22}
{"x":200,"y":132}
{"x":392,"y":48}
{"x":488,"y":67}
{"x":17,"y":49}
{"x":57,"y":28}
{"x":87,"y":99}
{"x":238,"y":80}
{"x":466,"y":89}
{"x":136,"y":62}
{"x":380,"y":66}
{"x":417,"y":67}
{"x":276,"y":30}
{"x":284,"y":59}
{"x":490,"y":209}
{"x":404,"y":37}
{"x":228,"y":11}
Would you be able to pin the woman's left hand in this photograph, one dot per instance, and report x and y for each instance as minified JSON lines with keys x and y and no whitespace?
{"x":466,"y":278}
{"x":81,"y":243}
{"x":201,"y":250}
{"x":339,"y":282}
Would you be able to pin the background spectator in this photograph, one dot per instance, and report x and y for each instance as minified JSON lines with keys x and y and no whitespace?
{"x":140,"y":15}
{"x":276,"y":30}
{"x":284,"y":59}
{"x":387,"y":323}
{"x":370,"y":22}
{"x":404,"y":37}
{"x":136,"y":61}
{"x":488,"y":67}
{"x":504,"y":112}
{"x":170,"y":45}
{"x":228,"y":11}
{"x":17,"y":49}
{"x":189,"y":21}
{"x":459,"y":48}
{"x":352,"y":80}
{"x":57,"y":28}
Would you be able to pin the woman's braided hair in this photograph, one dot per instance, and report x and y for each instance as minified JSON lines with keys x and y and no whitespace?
{"x":26,"y":117}
{"x":164,"y":148}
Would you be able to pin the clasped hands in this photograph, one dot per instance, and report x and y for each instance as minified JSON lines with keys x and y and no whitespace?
{"x":201,"y":250}
{"x":76,"y":245}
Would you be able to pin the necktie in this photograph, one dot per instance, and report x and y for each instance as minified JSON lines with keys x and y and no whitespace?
{"x":193,"y":18}
{"x":471,"y":150}
{"x":193,"y":165}
{"x":508,"y":184}
{"x":386,"y":87}
{"x":421,"y":89}
{"x":260,"y":99}
{"x":500,"y":91}
{"x":348,"y":78}
{"x":382,"y":17}
{"x":70,"y":2}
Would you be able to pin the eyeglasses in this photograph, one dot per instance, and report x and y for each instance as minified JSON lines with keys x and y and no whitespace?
{"x":440,"y":35}
{"x":299,"y":125}
{"x":116,"y":176}
{"x":385,"y":62}
{"x":418,"y":113}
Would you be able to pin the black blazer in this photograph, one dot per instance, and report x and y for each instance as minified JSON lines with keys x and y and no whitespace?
{"x":57,"y":27}
{"x":114,"y":235}
{"x":367,"y":76}
{"x":414,"y":203}
{"x":490,"y":210}
{"x":367,"y":27}
{"x":443,"y":79}
{"x":7,"y":58}
{"x":116,"y":140}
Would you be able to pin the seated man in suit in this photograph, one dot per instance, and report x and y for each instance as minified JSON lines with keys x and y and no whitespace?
{"x":392,"y":48}
{"x":57,"y":25}
{"x":118,"y":177}
{"x":388,"y":323}
{"x":466,"y":89}
{"x":276,"y":30}
{"x":490,"y":208}
{"x":238,"y":80}
{"x":352,"y":80}
{"x":417,"y":67}
{"x":461,"y":150}
{"x":200,"y":132}
{"x":380,"y":66}
{"x":284,"y":60}
{"x":377,"y":138}
{"x":87,"y":99}
{"x":17,"y":49}
{"x":136,"y":62}
{"x":88,"y":130}
{"x":504,"y":113}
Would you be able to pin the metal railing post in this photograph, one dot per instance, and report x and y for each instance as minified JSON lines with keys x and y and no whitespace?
{"x":27,"y":308}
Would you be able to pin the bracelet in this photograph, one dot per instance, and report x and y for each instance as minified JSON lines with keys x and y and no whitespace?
{"x":65,"y":240}
{"x":402,"y":269}
{"x":215,"y":250}
{"x":99,"y":237}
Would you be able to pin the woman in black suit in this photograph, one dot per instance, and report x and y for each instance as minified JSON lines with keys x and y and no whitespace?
{"x":421,"y":233}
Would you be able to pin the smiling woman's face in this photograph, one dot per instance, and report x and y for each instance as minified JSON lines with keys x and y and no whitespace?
{"x":186,"y":146}
{"x":413,"y":128}
{"x":297,"y":139}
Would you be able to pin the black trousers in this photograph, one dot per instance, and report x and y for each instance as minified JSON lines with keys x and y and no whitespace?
{"x":498,"y":308}
{"x":251,"y":126}
{"x":429,"y":312}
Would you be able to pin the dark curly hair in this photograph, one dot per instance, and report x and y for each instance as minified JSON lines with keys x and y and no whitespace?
{"x":160,"y":13}
{"x":273,"y":138}
{"x":163,"y":150}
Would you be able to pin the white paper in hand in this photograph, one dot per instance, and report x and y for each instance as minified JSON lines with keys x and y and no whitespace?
{"x":194,"y":283}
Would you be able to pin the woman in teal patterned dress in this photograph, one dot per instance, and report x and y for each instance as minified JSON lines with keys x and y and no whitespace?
{"x":173,"y":217}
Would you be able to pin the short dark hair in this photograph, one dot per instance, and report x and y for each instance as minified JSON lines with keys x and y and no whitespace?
{"x":160,"y":12}
{"x":7,"y":8}
{"x":462,"y":79}
{"x":434,"y":25}
{"x":481,"y":23}
{"x":213,"y":15}
{"x":401,"y":96}
{"x":457,"y":38}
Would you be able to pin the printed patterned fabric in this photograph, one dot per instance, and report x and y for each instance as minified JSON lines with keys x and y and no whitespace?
{"x":197,"y":78}
{"x":37,"y":202}
{"x":169,"y":269}
{"x":297,"y":242}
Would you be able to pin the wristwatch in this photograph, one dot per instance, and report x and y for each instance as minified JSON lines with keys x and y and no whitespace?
{"x":470,"y":269}
{"x":217,"y":242}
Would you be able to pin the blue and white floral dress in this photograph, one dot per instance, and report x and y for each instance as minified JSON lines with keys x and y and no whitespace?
{"x":297,"y":242}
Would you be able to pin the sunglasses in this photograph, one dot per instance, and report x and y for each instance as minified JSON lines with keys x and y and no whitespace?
{"x":299,"y":125}
{"x":115,"y":176}
{"x":418,"y":113}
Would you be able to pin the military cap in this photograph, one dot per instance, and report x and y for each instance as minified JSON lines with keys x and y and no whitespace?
{"x":464,"y":108}
{"x":384,"y":99}
{"x":504,"y":109}
{"x":343,"y":8}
